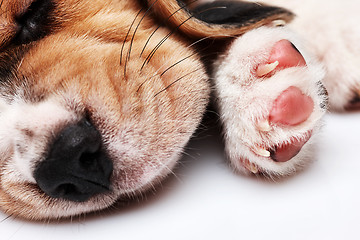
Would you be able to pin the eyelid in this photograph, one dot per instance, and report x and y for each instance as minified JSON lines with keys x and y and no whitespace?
{"x":34,"y":22}
{"x":21,"y":7}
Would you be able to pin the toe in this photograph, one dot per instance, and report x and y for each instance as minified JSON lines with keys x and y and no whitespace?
{"x":287,"y":151}
{"x":286,"y":54}
{"x":283,"y":55}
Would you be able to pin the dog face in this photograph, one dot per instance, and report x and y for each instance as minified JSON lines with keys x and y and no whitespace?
{"x":97,"y":101}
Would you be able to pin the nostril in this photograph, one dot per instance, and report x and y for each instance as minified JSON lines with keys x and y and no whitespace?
{"x":76,"y":167}
{"x":77,"y":191}
{"x":68,"y":190}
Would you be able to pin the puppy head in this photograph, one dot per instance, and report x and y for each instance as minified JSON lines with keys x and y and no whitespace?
{"x":97,"y":102}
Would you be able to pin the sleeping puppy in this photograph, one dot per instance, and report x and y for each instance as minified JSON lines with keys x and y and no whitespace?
{"x":99,"y":98}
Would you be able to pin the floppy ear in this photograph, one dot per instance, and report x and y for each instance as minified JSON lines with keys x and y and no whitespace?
{"x":218,"y":19}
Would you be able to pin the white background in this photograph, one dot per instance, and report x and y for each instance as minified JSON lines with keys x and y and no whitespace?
{"x":206,"y":200}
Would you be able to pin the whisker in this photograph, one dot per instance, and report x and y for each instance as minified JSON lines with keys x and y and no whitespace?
{"x":173,"y":65}
{"x":167,"y":19}
{"x":157,"y":74}
{"x":158,"y":162}
{"x":176,"y":64}
{"x":177,"y":80}
{"x":145,"y":14}
{"x":8,"y":217}
{"x":127,"y":34}
{"x":152,"y":53}
{"x":185,"y":153}
{"x":191,"y":45}
{"x":142,"y":84}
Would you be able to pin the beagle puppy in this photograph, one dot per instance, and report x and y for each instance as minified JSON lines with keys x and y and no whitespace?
{"x":99,"y":98}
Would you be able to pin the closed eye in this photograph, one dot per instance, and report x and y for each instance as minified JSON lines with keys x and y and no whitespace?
{"x":35,"y":22}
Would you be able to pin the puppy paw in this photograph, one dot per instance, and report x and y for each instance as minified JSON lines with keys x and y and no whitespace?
{"x":270,"y":99}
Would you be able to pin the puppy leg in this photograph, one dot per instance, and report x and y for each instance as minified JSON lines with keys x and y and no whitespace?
{"x":338,"y":47}
{"x":270,"y":99}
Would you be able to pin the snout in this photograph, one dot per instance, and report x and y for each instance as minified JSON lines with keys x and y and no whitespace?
{"x":76,"y":167}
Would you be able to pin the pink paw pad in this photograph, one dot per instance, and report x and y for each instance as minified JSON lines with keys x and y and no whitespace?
{"x":291,"y":107}
{"x":286,"y":54}
{"x":287,"y":151}
{"x":283,"y":55}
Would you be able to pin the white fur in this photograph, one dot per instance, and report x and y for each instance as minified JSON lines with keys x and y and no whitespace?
{"x":42,"y":121}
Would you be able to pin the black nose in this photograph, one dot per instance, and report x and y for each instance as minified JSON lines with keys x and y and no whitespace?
{"x":76,"y":168}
